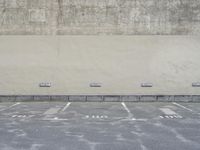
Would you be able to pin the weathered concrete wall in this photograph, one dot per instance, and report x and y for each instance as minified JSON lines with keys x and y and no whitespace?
{"x":119,"y":63}
{"x":49,"y":17}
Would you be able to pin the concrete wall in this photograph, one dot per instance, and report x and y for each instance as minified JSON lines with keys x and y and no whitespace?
{"x":119,"y":63}
{"x":60,"y":17}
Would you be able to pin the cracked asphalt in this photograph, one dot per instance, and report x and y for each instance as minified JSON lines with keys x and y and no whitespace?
{"x":99,"y":126}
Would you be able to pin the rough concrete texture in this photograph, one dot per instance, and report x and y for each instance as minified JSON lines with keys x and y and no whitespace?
{"x":120,"y":63}
{"x":49,"y":17}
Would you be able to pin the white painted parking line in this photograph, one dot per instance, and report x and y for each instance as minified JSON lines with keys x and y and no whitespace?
{"x":171,"y":117}
{"x":130,"y":115}
{"x":182,"y":106}
{"x":134,"y":119}
{"x":22,"y":116}
{"x":14,"y":105}
{"x":66,"y":106}
{"x":161,"y":117}
{"x":54,"y":119}
{"x":51,"y":111}
{"x":125,"y":107}
{"x":96,"y":116}
{"x":10,"y":106}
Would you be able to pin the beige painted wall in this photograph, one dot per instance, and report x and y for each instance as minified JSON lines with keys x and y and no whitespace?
{"x":120,"y":63}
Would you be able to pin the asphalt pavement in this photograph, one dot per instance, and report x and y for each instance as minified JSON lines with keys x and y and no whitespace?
{"x":99,"y":126}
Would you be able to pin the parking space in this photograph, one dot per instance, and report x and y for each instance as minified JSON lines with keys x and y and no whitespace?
{"x":27,"y":110}
{"x":189,"y":107}
{"x":95,"y":111}
{"x":5,"y":106}
{"x":92,"y":111}
{"x":99,"y":126}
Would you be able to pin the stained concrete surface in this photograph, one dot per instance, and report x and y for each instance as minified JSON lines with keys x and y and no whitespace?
{"x":99,"y":126}
{"x":86,"y":17}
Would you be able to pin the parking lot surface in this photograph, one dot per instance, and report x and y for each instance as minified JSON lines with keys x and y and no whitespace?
{"x":99,"y":126}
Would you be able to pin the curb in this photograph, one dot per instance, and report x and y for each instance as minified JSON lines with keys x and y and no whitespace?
{"x":100,"y":98}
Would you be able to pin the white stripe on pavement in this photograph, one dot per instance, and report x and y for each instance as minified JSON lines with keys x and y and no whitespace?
{"x":182,"y":106}
{"x":55,"y":119}
{"x":130,"y":115}
{"x":125,"y":107}
{"x":10,"y":106}
{"x":66,"y":106}
{"x":14,"y":105}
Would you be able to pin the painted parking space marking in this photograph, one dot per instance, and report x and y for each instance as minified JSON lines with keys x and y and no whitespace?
{"x":18,"y":116}
{"x":96,"y":117}
{"x":66,"y":106}
{"x":182,"y":106}
{"x":169,"y":114}
{"x":94,"y":111}
{"x":125,"y":107}
{"x":10,"y":106}
{"x":54,"y":119}
{"x":22,"y":116}
{"x":28,"y":110}
{"x":171,"y":117}
{"x":52,"y":111}
{"x":49,"y":114}
{"x":134,"y":119}
{"x":14,"y":105}
{"x":130,"y":115}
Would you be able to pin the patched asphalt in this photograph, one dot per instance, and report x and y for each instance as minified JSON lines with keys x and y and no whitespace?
{"x":99,"y":126}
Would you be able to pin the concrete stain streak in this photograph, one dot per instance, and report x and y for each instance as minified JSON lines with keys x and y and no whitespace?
{"x":60,"y":11}
{"x":51,"y":111}
{"x":177,"y":134}
{"x":143,"y":147}
{"x":36,"y":146}
{"x":167,"y":111}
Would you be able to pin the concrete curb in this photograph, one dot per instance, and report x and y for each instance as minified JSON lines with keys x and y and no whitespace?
{"x":101,"y":98}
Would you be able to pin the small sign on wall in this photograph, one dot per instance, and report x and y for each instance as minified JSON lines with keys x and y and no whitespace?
{"x":146,"y":85}
{"x":95,"y":85}
{"x":196,"y":84}
{"x":45,"y":84}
